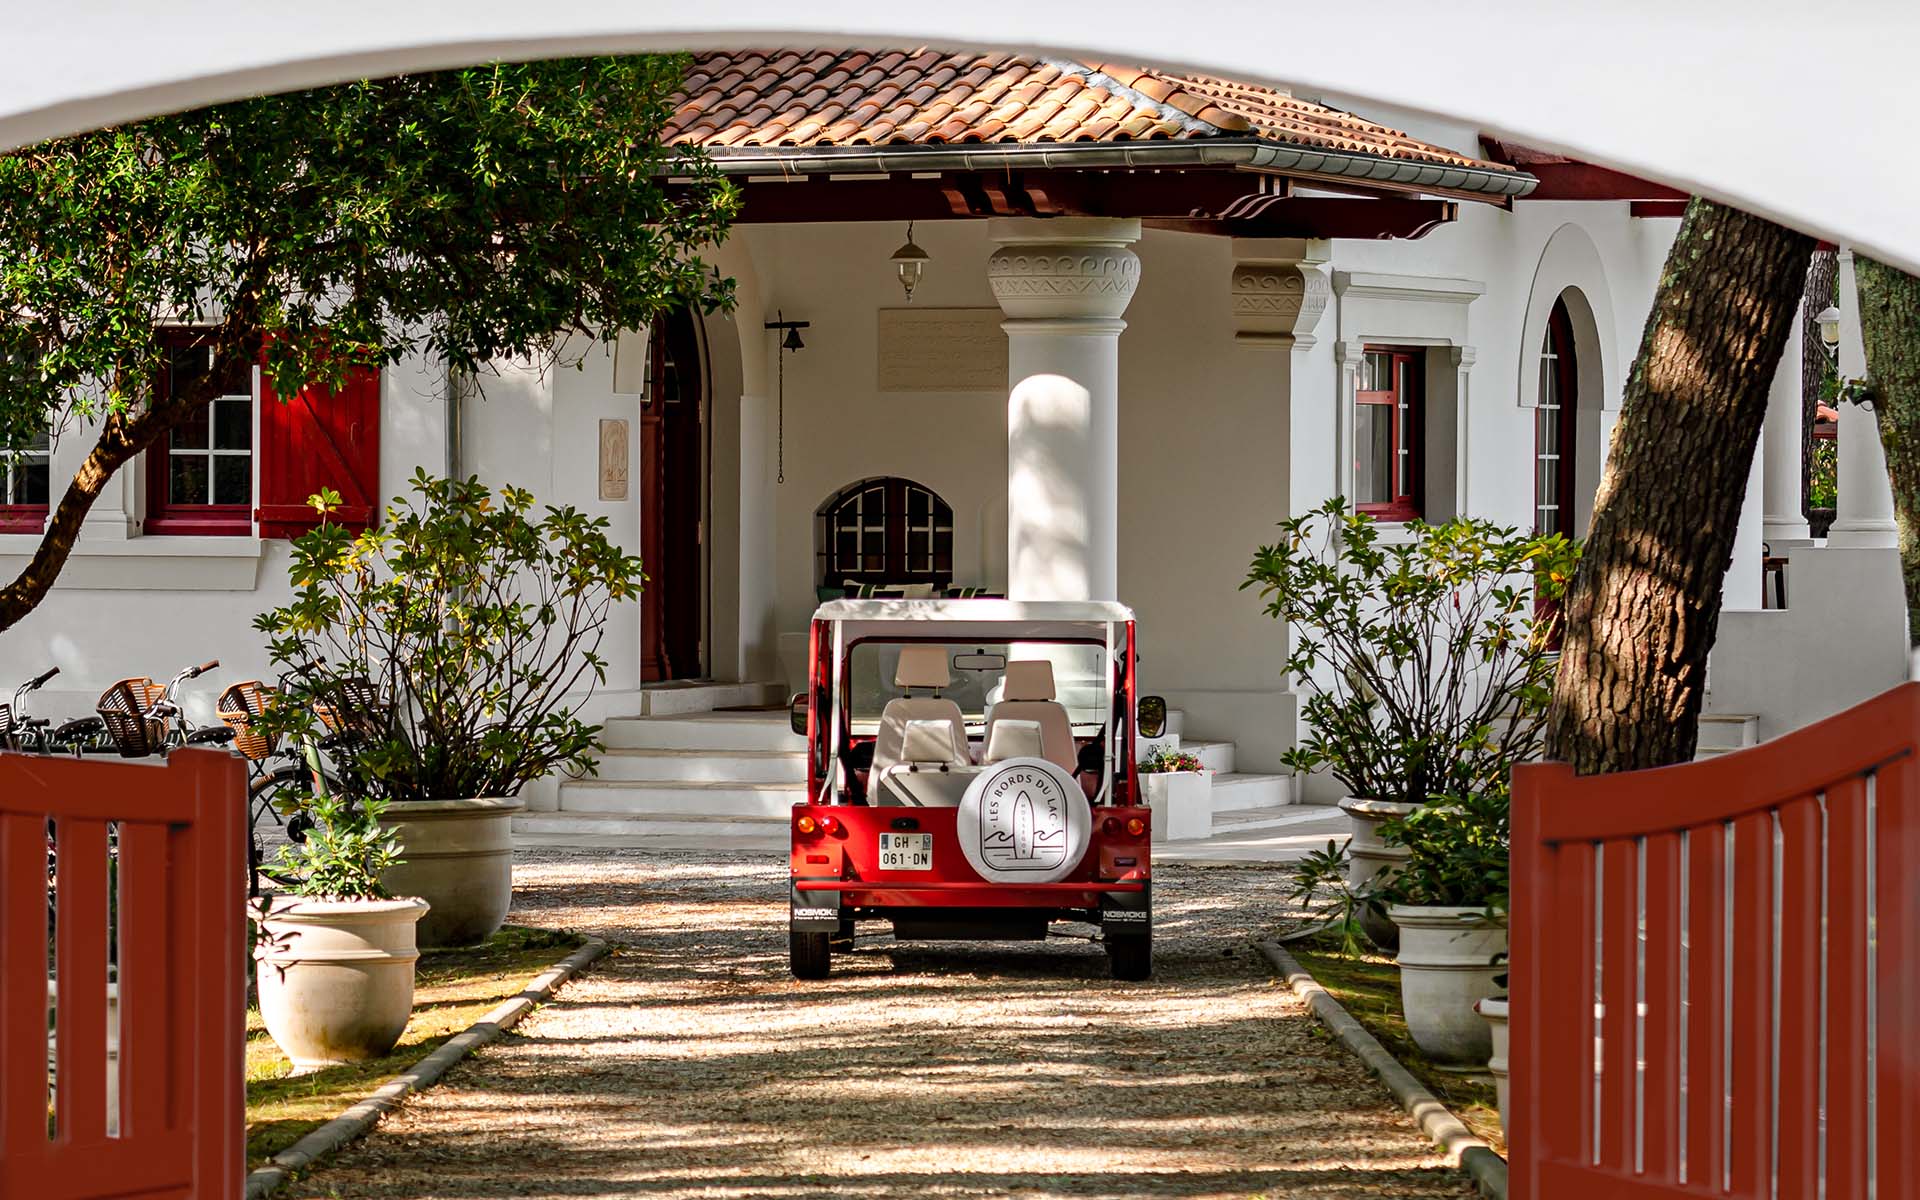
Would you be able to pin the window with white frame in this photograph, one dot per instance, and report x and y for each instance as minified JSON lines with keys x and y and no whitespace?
{"x":28,"y":480}
{"x":200,"y":478}
{"x":1553,"y":427}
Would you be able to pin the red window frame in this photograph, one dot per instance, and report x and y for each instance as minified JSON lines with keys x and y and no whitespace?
{"x":1564,"y":416}
{"x":1407,"y":396}
{"x":24,"y":518}
{"x":202,"y":520}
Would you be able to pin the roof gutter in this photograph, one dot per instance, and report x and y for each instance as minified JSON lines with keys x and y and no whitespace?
{"x":1247,"y":153}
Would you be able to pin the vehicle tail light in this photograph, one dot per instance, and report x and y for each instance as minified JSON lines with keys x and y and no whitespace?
{"x":1136,"y":826}
{"x":805,"y":824}
{"x":1110,"y":827}
{"x":828,"y":824}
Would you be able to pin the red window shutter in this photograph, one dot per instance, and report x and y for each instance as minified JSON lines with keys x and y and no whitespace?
{"x":315,"y":440}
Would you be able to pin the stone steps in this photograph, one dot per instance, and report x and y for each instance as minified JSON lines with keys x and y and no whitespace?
{"x":704,"y":766}
{"x":1233,"y":792}
{"x":717,"y":798}
{"x":602,"y":829}
{"x":704,"y":695}
{"x":704,"y":731}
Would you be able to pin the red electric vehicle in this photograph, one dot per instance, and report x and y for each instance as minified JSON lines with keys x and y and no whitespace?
{"x":970,"y":776}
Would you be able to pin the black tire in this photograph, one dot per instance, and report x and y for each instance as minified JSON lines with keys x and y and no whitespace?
{"x":809,"y":953}
{"x":843,"y":939}
{"x":1130,"y":955}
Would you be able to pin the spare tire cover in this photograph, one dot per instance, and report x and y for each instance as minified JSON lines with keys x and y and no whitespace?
{"x":1024,"y":820}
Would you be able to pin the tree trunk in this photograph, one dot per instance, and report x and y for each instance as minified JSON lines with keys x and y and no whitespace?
{"x":1821,"y":274}
{"x":1890,"y":325}
{"x":1645,"y":601}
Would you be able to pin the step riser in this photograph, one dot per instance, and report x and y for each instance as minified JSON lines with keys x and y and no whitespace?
{"x":1262,"y":793}
{"x":717,"y":767}
{"x":628,"y":733}
{"x":688,"y":802}
{"x":1216,"y":757}
{"x":663,"y":702}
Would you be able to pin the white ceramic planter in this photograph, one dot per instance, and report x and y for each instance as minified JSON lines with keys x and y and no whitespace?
{"x":1494,"y":1013}
{"x":336,"y":977}
{"x":1182,"y":803}
{"x":1446,"y":967}
{"x":458,"y":857}
{"x":1369,"y":858}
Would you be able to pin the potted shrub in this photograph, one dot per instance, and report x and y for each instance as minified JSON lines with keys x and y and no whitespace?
{"x":335,"y":954}
{"x":1493,"y":1010}
{"x":1180,"y":792}
{"x":447,"y":650}
{"x":1449,"y":900}
{"x":1424,"y":659}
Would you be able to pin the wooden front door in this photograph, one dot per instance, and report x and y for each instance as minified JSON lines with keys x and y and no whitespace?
{"x":672,"y":503}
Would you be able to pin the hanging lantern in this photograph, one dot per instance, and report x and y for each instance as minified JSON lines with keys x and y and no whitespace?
{"x":910,"y":262}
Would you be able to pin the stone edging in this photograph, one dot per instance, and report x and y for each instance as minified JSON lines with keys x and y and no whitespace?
{"x":265,"y":1180}
{"x":1449,"y":1132}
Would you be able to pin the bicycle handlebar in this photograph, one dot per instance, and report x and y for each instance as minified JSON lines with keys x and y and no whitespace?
{"x":203,"y":668}
{"x":40,"y":681}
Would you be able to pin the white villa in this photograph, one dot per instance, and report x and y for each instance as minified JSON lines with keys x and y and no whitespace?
{"x":1156,"y":313}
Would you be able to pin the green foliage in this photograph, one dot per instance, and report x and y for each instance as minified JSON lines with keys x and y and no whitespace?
{"x":344,"y":853}
{"x":447,"y":641}
{"x":1823,"y":489}
{"x":1426,"y":661}
{"x":1318,"y":883}
{"x":508,"y":212}
{"x":1457,"y":853}
{"x":1165,"y":761}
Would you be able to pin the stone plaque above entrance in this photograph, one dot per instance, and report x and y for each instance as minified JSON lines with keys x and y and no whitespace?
{"x":942,"y":350}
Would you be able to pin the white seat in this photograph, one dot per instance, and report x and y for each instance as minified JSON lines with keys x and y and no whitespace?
{"x":1028,"y":697}
{"x":1008,"y":738}
{"x":919,"y":667}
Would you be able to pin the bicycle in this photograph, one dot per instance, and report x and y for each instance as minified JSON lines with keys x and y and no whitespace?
{"x":281,"y":780}
{"x":39,"y":735}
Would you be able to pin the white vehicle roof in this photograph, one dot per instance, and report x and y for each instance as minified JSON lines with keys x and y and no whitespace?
{"x":996,"y":620}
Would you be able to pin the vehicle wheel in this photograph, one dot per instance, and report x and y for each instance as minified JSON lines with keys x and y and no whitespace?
{"x":809,"y":954}
{"x":843,"y":938}
{"x":1130,"y":955}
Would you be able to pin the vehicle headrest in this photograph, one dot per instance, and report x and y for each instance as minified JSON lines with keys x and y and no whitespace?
{"x":1029,"y":680}
{"x":922,"y":667}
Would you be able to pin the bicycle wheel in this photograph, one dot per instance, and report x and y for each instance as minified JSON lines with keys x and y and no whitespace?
{"x":277,"y":807}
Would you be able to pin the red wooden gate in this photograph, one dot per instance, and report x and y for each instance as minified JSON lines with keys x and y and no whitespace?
{"x":1716,"y":984}
{"x":146,"y":954}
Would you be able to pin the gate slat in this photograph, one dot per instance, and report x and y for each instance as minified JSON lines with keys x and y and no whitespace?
{"x":145,"y":949}
{"x":1897,"y":921}
{"x":1752,"y":1061}
{"x":1660,"y":1112}
{"x":23,"y":986}
{"x":1798,"y":1127}
{"x":1706,"y":1005}
{"x":80,"y":972}
{"x":1847,"y":989}
{"x":1565,"y":1120}
{"x":1619,"y":977}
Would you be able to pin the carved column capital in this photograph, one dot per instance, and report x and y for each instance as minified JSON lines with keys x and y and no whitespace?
{"x":1064,"y":268}
{"x":1279,"y":290}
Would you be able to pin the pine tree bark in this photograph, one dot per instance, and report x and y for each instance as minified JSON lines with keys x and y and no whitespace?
{"x":1645,"y":602}
{"x":1821,"y":274}
{"x":1890,"y":325}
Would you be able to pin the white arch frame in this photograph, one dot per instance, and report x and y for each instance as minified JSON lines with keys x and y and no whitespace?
{"x":1570,"y":269}
{"x":1805,"y":124}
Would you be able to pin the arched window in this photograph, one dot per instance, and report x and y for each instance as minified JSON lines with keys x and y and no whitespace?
{"x":1554,"y":426}
{"x":884,"y":531}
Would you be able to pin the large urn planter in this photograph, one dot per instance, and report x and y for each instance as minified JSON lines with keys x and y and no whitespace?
{"x":1447,"y":965}
{"x":1494,"y":1013}
{"x":1182,"y":803}
{"x":457,"y":855}
{"x":336,"y":977}
{"x":1372,"y":861}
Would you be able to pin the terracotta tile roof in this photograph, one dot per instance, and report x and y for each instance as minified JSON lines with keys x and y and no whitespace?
{"x":734,"y":100}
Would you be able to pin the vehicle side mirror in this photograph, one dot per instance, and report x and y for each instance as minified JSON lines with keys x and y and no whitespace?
{"x":797,"y":713}
{"x":1150,"y":716}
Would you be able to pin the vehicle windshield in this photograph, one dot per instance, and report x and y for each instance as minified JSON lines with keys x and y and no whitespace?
{"x":1081,"y":676}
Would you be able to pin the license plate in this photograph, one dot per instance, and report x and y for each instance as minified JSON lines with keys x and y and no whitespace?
{"x":906,"y":852}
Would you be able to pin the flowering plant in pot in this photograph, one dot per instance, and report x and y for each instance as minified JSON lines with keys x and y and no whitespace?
{"x":1425,"y":659}
{"x":1449,"y":900}
{"x":336,"y":951}
{"x":1179,"y":789}
{"x":446,"y":652}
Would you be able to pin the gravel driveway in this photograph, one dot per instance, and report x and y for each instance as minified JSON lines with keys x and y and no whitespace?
{"x":691,"y":1063}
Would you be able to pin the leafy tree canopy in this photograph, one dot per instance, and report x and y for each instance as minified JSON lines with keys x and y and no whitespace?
{"x":476,"y":215}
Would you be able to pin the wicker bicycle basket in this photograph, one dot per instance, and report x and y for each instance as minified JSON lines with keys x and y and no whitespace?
{"x":123,"y":709}
{"x":240,"y":706}
{"x":360,"y":712}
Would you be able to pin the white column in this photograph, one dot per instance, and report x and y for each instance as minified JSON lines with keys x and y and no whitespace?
{"x":1863,"y":511}
{"x":1783,"y":524}
{"x":1063,"y":284}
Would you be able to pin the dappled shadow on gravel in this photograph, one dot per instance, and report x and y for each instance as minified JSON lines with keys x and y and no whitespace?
{"x":691,"y":1064}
